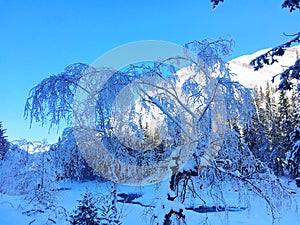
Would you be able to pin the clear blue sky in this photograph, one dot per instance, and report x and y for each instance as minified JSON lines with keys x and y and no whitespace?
{"x":39,"y":38}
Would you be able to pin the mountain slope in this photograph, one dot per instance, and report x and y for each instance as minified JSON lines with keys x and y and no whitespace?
{"x":32,"y":147}
{"x":246,"y":75}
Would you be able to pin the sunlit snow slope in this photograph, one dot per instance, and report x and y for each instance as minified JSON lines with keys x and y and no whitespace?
{"x":246,"y":75}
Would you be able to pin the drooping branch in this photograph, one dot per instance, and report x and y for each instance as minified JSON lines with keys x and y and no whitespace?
{"x":53,"y":96}
{"x":292,"y":72}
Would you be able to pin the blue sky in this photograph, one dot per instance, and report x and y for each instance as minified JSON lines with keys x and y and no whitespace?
{"x":40,"y":38}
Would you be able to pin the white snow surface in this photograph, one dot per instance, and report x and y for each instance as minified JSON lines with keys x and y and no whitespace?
{"x":32,"y":147}
{"x":13,"y":208}
{"x":246,"y":75}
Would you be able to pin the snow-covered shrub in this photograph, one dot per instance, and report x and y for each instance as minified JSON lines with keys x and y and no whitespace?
{"x":86,"y":212}
{"x":108,"y":210}
{"x":100,"y":209}
{"x":28,"y":170}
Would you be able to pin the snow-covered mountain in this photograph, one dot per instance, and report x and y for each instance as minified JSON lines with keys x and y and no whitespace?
{"x":250,"y":78}
{"x":32,"y":147}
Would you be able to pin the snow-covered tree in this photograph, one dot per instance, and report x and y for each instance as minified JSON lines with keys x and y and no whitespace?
{"x":270,"y":112}
{"x":295,"y":108}
{"x":69,"y":163}
{"x":4,"y":144}
{"x":255,"y":138}
{"x":293,"y":156}
{"x":86,"y":212}
{"x":193,"y":107}
{"x":28,"y":170}
{"x":108,"y":209}
{"x":281,"y":141}
{"x":14,"y":170}
{"x":270,"y":128}
{"x":284,"y":114}
{"x":42,"y":175}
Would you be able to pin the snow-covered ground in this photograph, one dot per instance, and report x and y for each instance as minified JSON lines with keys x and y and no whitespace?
{"x":15,"y":211}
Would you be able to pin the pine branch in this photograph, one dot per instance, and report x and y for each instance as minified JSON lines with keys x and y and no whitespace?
{"x":270,"y":57}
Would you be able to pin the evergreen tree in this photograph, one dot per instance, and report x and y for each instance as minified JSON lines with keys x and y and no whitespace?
{"x":293,"y":156}
{"x":4,"y":145}
{"x":295,"y":108}
{"x":284,"y":116}
{"x":268,"y":134}
{"x":270,"y":115}
{"x":282,"y":143}
{"x":256,"y":140}
{"x":254,"y":134}
{"x":86,"y":212}
{"x":260,"y":104}
{"x":272,"y":129}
